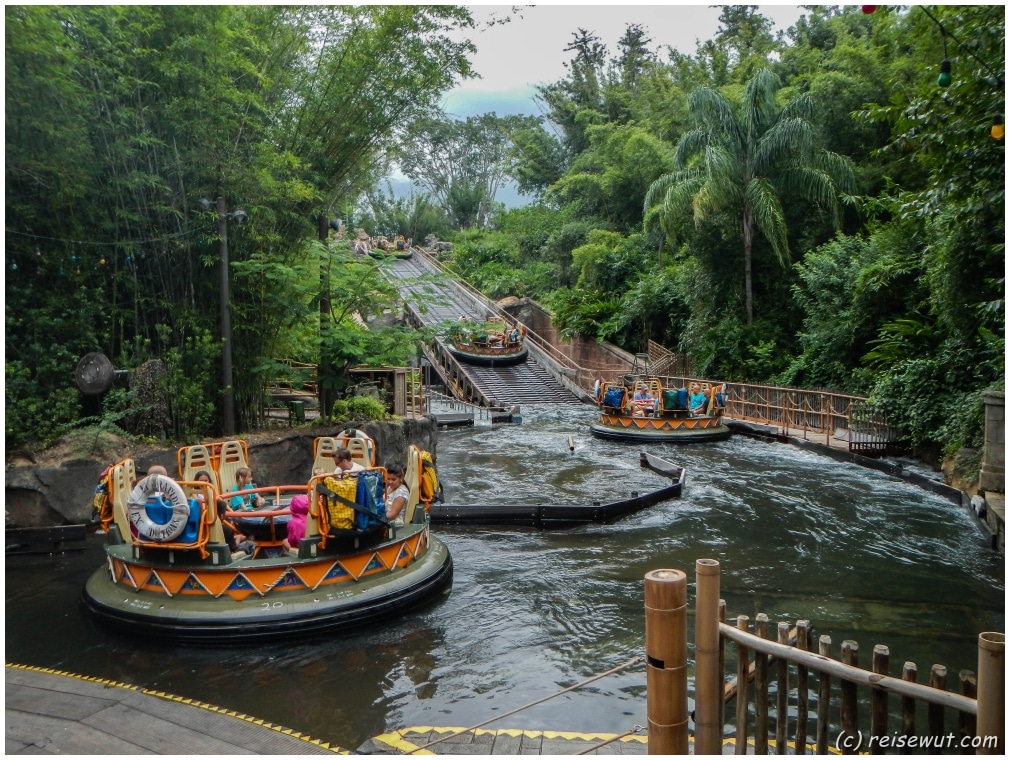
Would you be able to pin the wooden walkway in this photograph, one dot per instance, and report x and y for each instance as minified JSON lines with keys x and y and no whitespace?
{"x":50,"y":712}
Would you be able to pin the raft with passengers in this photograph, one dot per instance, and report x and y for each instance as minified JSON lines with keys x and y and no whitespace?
{"x":490,"y":343}
{"x":641,"y":410}
{"x":178,"y":565}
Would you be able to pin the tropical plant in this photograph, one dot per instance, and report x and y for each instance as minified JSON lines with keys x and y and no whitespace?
{"x":747,"y":161}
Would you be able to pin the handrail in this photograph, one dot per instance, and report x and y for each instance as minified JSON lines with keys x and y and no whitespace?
{"x":849,"y":673}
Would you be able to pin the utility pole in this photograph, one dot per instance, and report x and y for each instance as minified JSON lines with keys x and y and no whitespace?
{"x":228,"y":396}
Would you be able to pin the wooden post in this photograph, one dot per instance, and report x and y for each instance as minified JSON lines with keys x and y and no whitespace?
{"x":782,"y":695}
{"x":761,"y":690}
{"x":802,"y":707}
{"x":823,"y":698}
{"x":934,"y":713}
{"x":666,"y":661}
{"x":742,"y":688}
{"x":878,"y":698}
{"x":848,"y":738}
{"x":966,"y":721}
{"x":908,"y":673}
{"x":991,"y":694}
{"x":708,"y":686}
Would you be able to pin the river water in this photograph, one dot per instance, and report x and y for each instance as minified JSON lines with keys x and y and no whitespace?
{"x":799,"y":536}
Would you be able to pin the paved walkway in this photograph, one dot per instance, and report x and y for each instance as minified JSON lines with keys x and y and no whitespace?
{"x":51,"y":712}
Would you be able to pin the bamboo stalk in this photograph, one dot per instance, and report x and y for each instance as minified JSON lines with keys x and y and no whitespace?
{"x":666,"y":661}
{"x":823,"y":698}
{"x":991,"y":691}
{"x":729,"y":692}
{"x":802,"y":688}
{"x":908,"y":673}
{"x":708,"y":678}
{"x":743,"y":624}
{"x":850,"y":657}
{"x":782,"y":694}
{"x":934,"y":712}
{"x":852,"y":674}
{"x":878,"y":699}
{"x":966,"y":723}
{"x":761,"y":690}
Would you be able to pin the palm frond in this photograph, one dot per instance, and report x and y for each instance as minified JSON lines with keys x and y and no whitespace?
{"x":658,"y":189}
{"x":690,"y":144}
{"x":766,"y":210}
{"x":757,"y":110}
{"x":839,"y":168}
{"x":714,"y":113}
{"x":801,"y":107}
{"x":814,"y":185}
{"x":789,"y":141}
{"x":679,"y":197}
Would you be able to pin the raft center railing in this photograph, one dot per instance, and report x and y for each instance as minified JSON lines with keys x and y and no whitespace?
{"x":800,"y":677}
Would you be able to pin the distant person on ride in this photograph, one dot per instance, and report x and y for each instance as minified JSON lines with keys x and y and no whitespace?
{"x":248,"y":501}
{"x":397,"y":494}
{"x":698,"y":399}
{"x":642,"y":402}
{"x":296,"y":525}
{"x":344,"y":462}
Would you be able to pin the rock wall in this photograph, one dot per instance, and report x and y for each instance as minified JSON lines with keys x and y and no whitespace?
{"x":39,"y":496}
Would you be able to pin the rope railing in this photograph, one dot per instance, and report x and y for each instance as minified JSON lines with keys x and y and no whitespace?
{"x":630,"y":663}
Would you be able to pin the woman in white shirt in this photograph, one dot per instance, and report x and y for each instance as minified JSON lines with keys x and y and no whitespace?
{"x":396,"y":495}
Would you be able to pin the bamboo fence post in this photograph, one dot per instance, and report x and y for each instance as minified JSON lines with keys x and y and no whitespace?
{"x":965,"y":721}
{"x":878,"y":698}
{"x":934,"y":713}
{"x":908,"y":673}
{"x":991,"y":694}
{"x":847,"y":737}
{"x":722,"y":667}
{"x":782,"y":694}
{"x":742,"y":689}
{"x":666,"y":661}
{"x":802,"y":688}
{"x":823,"y":698}
{"x":761,"y":689}
{"x":708,"y":687}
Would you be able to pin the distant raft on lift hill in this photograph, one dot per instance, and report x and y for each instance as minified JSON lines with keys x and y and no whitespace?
{"x":665,"y":416}
{"x":493,"y":343}
{"x":170,"y":574}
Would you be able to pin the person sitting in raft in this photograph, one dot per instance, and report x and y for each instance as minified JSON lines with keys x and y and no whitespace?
{"x":342,"y":458}
{"x":244,"y":482}
{"x":642,"y":403}
{"x":698,"y":400}
{"x":396,"y":499}
{"x":296,"y":525}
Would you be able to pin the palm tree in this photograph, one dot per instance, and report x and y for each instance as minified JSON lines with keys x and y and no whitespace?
{"x":747,"y":161}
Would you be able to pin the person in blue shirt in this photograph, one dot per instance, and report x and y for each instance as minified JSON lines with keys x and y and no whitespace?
{"x":642,"y":403}
{"x":698,"y":400}
{"x":244,"y":482}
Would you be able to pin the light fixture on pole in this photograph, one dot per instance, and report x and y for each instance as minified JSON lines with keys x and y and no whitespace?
{"x":228,"y":396}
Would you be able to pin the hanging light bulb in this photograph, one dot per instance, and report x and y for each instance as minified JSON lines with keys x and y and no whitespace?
{"x":944,"y":79}
{"x":101,"y":262}
{"x":14,"y":266}
{"x":868,"y":9}
{"x":997,"y":127}
{"x":38,"y":253}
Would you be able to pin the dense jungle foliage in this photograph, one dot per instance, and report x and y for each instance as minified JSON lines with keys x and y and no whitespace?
{"x":811,"y":209}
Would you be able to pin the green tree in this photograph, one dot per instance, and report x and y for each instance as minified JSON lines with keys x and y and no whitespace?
{"x":748,"y":160}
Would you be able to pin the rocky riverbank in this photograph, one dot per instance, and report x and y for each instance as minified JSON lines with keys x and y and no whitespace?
{"x":55,"y":486}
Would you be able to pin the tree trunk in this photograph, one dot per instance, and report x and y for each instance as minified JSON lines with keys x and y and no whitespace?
{"x":748,"y":241}
{"x":325,"y":370}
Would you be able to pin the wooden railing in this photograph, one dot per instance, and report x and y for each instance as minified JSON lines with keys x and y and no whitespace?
{"x":801,"y":678}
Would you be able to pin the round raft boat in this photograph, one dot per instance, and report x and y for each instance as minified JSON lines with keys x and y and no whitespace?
{"x":642,"y":411}
{"x":350,"y":568}
{"x":491,"y":344}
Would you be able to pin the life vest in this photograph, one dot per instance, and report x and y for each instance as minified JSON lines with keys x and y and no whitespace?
{"x":428,"y":487}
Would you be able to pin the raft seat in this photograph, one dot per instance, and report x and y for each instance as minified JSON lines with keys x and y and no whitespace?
{"x":323,"y":451}
{"x":232,"y":458}
{"x":361,"y":452}
{"x":193,"y":459}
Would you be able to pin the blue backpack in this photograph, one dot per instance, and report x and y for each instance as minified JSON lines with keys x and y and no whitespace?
{"x":371,"y":498}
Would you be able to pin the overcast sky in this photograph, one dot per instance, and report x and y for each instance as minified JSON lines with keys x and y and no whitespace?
{"x":512,"y":58}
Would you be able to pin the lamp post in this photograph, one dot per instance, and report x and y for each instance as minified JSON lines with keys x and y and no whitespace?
{"x":228,"y":400}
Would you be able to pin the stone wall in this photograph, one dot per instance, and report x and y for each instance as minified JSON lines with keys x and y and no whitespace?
{"x":993,"y":474}
{"x":38,"y":496}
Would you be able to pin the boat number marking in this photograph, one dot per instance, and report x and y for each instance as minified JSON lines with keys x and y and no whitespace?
{"x":272,"y":606}
{"x":341,"y":595}
{"x":139,"y":605}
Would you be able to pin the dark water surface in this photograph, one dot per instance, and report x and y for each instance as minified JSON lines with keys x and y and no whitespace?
{"x":861,"y":555}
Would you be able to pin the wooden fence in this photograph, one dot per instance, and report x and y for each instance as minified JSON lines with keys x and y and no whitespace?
{"x":791,"y":684}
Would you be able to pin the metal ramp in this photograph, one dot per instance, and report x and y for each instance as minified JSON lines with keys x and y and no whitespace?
{"x":432,"y":298}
